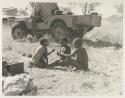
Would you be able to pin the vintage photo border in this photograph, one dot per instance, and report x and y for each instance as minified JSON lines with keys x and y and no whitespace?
{"x":64,"y":1}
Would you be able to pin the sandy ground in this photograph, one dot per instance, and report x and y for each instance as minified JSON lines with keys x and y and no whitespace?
{"x":104,"y":77}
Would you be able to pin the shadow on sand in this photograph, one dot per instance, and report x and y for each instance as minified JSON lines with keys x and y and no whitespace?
{"x":101,"y":44}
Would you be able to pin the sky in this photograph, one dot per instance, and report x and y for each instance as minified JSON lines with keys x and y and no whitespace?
{"x":106,"y":9}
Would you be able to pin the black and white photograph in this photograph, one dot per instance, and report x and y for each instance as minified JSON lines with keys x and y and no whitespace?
{"x":62,"y":48}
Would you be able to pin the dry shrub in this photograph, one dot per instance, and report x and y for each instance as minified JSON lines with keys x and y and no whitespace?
{"x":110,"y":31}
{"x":30,"y":55}
{"x":7,"y":48}
{"x":24,"y":47}
{"x":23,"y":54}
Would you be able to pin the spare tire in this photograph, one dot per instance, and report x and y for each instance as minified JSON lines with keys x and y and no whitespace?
{"x":58,"y":30}
{"x":19,"y":32}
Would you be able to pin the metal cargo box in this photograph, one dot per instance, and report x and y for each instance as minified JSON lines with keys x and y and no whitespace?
{"x":95,"y":20}
{"x":90,"y":20}
{"x":15,"y":68}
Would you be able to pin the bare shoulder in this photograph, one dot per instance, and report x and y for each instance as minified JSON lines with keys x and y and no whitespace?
{"x":41,"y":48}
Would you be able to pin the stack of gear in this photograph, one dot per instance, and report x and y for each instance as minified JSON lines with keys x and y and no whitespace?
{"x":42,"y":10}
{"x":12,"y":68}
{"x":17,"y":85}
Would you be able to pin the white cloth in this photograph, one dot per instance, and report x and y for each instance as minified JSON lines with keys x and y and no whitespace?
{"x":15,"y":85}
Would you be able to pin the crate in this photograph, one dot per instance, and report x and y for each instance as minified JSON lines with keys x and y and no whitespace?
{"x":4,"y":72}
{"x":15,"y":68}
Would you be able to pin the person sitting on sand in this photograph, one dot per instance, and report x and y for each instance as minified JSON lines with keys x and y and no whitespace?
{"x":64,"y":50}
{"x":40,"y":59}
{"x":81,"y":54}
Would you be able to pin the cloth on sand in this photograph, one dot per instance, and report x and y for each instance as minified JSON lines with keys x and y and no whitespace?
{"x":15,"y":85}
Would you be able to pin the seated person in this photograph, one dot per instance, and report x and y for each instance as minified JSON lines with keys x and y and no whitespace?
{"x":40,"y":58}
{"x":81,"y":54}
{"x":65,"y":50}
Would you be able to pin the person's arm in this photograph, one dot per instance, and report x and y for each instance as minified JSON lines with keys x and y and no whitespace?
{"x":47,"y":60}
{"x":65,"y":54}
{"x":69,"y":55}
{"x":51,"y":52}
{"x":62,"y":52}
{"x":73,"y":54}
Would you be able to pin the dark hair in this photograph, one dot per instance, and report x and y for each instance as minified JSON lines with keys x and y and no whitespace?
{"x":42,"y":41}
{"x":64,"y":39}
{"x":78,"y":42}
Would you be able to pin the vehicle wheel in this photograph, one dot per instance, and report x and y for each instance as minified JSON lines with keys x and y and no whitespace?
{"x":90,"y":28}
{"x":18,"y":33}
{"x":58,"y":30}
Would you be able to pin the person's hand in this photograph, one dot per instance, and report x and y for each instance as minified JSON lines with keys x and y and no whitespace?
{"x":58,"y":53}
{"x":53,"y":50}
{"x":69,"y":56}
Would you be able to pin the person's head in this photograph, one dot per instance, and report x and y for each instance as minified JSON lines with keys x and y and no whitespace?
{"x":77,"y":43}
{"x":44,"y":42}
{"x":64,"y":41}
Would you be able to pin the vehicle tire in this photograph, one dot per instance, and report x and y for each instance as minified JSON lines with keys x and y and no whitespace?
{"x":18,"y":32}
{"x":90,"y":28}
{"x":79,"y":33}
{"x":58,"y":30}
